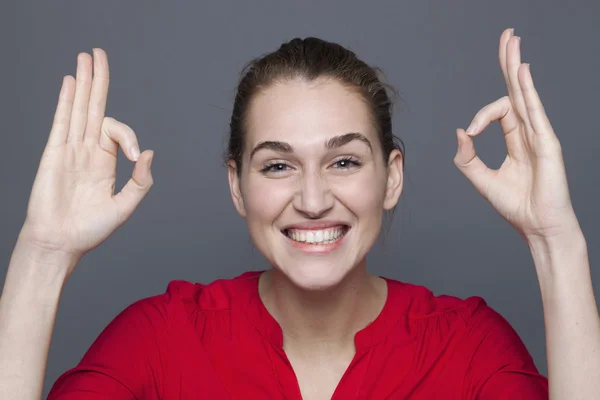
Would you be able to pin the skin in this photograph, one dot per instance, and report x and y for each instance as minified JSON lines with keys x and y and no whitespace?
{"x":73,"y":209}
{"x":312,"y":185}
{"x":321,"y":299}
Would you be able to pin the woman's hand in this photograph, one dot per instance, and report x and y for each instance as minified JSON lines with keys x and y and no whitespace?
{"x":530,"y":189}
{"x":72,"y":208}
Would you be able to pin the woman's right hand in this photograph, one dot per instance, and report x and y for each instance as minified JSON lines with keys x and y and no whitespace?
{"x":73,"y":208}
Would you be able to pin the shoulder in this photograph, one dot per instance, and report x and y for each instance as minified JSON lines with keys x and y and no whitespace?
{"x":472,"y":318}
{"x":190,"y":297}
{"x":469,"y":324}
{"x":419,"y":302}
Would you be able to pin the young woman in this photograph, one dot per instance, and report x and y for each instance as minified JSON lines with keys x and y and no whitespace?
{"x":312,"y":166}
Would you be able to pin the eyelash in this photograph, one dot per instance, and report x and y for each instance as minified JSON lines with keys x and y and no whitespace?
{"x":270,"y":166}
{"x":351,"y":160}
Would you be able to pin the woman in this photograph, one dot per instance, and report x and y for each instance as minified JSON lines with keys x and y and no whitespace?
{"x":312,"y":166}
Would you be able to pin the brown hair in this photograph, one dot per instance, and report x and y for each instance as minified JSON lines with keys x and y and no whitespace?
{"x":312,"y":59}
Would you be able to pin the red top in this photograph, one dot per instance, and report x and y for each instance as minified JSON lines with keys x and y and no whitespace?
{"x":218,"y":341}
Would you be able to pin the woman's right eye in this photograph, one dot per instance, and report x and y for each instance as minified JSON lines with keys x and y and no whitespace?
{"x":275,"y":167}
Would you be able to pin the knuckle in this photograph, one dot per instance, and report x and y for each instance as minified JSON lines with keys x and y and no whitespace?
{"x":80,"y":108}
{"x":94,"y":112}
{"x":61,"y":120}
{"x":118,"y":132}
{"x":129,"y":134}
{"x":65,"y":101}
{"x":102,"y":77}
{"x":535,"y":108}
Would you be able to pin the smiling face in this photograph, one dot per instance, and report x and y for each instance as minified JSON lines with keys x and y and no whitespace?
{"x":314,"y":182}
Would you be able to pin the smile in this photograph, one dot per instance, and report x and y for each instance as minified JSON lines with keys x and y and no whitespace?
{"x":317,"y":236}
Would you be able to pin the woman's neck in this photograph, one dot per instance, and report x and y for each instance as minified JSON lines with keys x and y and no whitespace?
{"x":325,"y":318}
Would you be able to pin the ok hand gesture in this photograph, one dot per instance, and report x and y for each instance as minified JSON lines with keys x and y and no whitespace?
{"x":73,"y":208}
{"x":530,"y":189}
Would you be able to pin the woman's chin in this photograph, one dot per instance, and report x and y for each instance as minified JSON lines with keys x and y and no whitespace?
{"x":316,"y":277}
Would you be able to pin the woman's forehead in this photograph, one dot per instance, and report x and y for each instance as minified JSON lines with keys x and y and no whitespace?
{"x":307,"y":111}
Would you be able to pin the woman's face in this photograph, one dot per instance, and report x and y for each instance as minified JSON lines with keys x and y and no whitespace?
{"x":314,"y":183}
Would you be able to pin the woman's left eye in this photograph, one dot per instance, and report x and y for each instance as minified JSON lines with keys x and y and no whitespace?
{"x":346,"y":163}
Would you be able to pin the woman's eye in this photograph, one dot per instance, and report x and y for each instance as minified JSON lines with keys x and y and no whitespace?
{"x":346,"y":163}
{"x":278,"y":167}
{"x":275,"y":167}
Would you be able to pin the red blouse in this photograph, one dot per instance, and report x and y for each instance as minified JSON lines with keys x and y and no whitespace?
{"x":218,"y":341}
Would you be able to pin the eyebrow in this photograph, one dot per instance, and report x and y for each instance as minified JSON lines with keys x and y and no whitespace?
{"x":333,"y":143}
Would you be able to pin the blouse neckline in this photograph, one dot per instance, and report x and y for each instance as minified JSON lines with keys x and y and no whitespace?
{"x":369,"y":336}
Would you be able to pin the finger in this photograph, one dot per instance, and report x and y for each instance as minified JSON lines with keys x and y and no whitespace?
{"x":82,"y":97}
{"x":62,"y":116}
{"x":511,"y":119}
{"x":97,"y":103}
{"x":535,"y":109}
{"x":470,"y":164}
{"x":513,"y":62}
{"x":504,"y":38}
{"x":137,"y":187}
{"x":115,"y":134}
{"x":500,"y":110}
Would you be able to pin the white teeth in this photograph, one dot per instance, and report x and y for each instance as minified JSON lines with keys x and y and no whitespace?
{"x":319,"y":236}
{"x":322,"y":236}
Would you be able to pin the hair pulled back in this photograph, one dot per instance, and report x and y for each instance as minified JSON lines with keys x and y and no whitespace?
{"x":311,"y":59}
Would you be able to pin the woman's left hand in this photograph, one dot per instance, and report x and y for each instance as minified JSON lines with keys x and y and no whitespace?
{"x":530,"y":189}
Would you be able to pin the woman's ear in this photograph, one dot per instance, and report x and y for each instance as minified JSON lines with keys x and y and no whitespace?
{"x":395,"y":180}
{"x":235,"y":188}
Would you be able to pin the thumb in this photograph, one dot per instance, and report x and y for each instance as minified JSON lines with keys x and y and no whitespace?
{"x":137,"y":187}
{"x":467,"y":161}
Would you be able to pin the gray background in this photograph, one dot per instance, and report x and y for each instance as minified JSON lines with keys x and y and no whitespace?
{"x":174,"y":66}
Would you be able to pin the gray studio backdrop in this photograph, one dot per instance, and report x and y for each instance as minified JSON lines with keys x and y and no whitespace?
{"x":174,"y":66}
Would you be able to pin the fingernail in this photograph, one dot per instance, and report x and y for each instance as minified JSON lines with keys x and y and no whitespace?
{"x":512,"y":31}
{"x":151,"y":159}
{"x":472,"y":128}
{"x":135,"y":152}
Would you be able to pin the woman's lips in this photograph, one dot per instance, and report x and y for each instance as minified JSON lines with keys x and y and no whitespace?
{"x":317,"y":241}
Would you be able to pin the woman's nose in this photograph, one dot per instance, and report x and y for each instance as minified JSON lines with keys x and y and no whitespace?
{"x":314,"y":197}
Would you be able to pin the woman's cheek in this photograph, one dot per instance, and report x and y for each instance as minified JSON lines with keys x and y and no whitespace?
{"x":267,"y":198}
{"x":361,"y":193}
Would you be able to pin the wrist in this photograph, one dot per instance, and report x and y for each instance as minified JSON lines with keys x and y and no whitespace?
{"x":565,"y":242}
{"x":36,"y":271}
{"x":559,"y":255}
{"x":40,"y":252}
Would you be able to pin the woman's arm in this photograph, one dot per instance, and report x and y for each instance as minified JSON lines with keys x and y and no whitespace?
{"x":72,"y":210}
{"x":530,"y":191}
{"x":28,"y":307}
{"x":570,"y":315}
